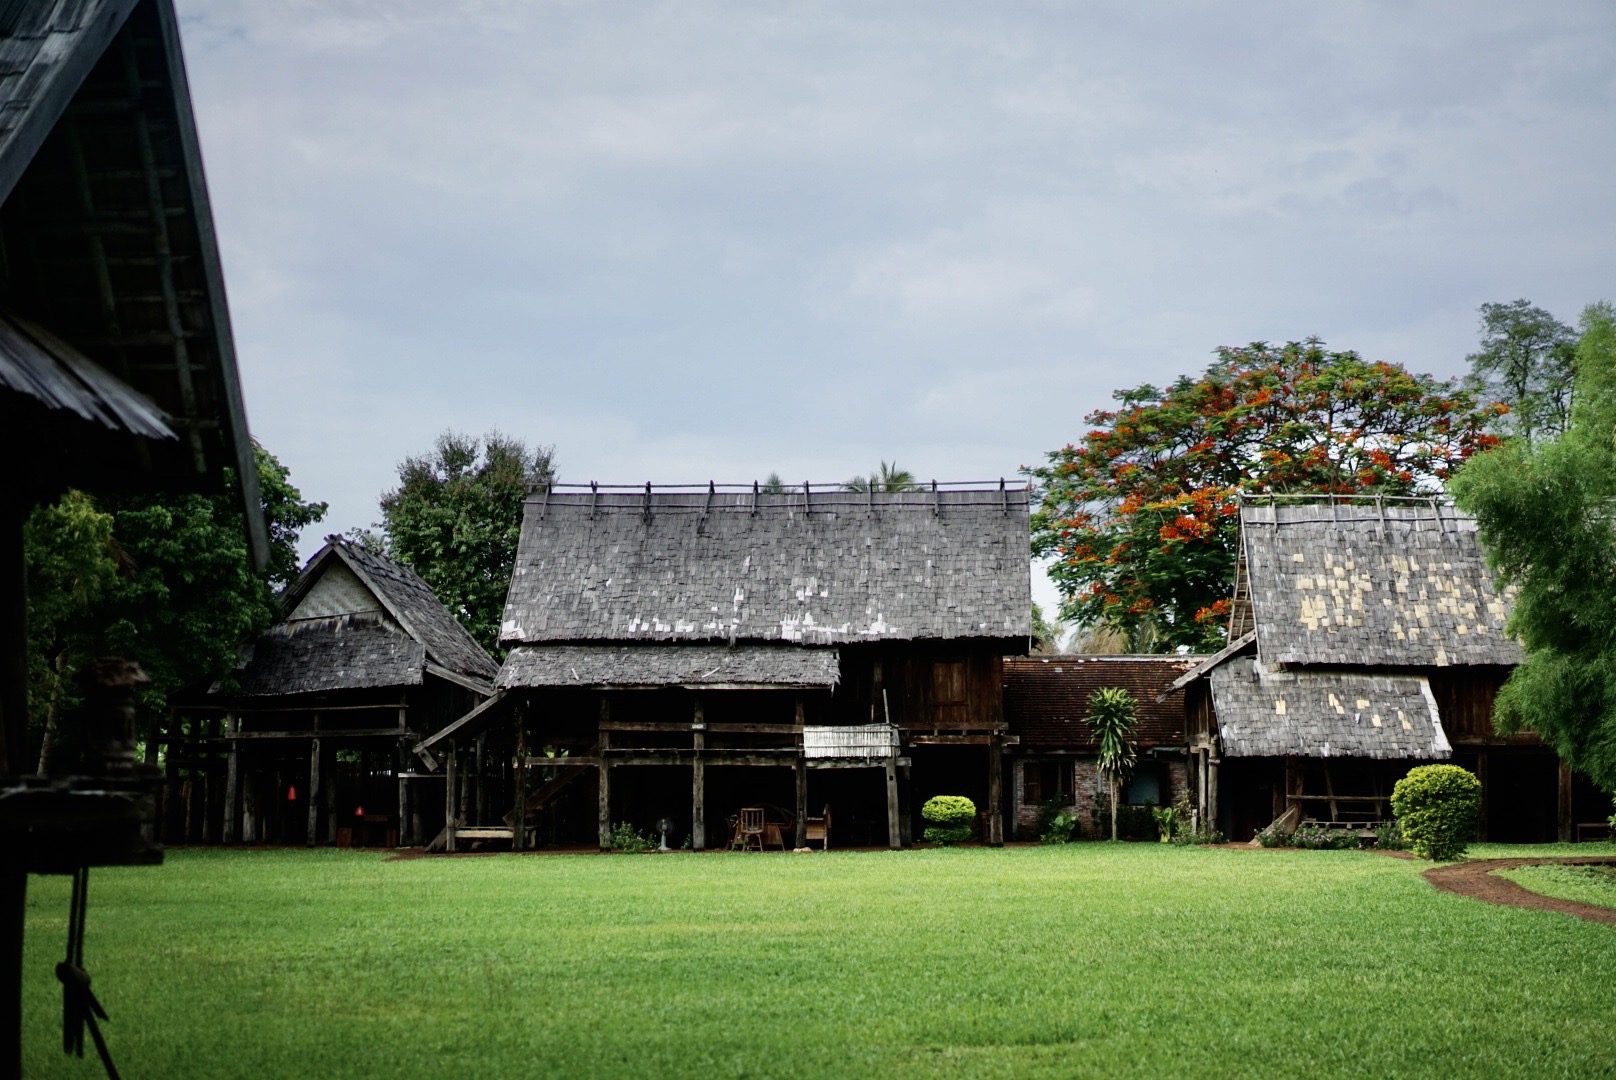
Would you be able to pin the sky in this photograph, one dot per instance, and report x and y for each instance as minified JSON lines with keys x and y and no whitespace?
{"x":698,"y":241}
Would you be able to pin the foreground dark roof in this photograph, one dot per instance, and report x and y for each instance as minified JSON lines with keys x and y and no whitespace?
{"x":1046,"y":698}
{"x":1396,"y":585}
{"x":821,"y":567}
{"x":1323,"y":714}
{"x":345,"y":653}
{"x":110,"y":249}
{"x":625,"y":666}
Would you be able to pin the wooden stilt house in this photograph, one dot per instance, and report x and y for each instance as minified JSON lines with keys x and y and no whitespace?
{"x":1365,"y":637}
{"x":117,"y":374}
{"x":323,"y":711}
{"x":680,"y":655}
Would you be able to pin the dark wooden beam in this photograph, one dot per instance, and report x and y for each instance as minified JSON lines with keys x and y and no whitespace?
{"x":698,"y":781}
{"x":232,"y":788}
{"x":894,"y":829}
{"x":313,"y":794}
{"x":995,"y":794}
{"x":1563,"y":802}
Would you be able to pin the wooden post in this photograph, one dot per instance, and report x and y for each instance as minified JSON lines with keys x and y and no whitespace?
{"x":905,"y":814}
{"x":313,"y":794}
{"x":894,"y":829}
{"x":232,"y":785}
{"x":605,"y":775}
{"x":519,"y":816}
{"x":449,"y":800}
{"x":1564,"y":790}
{"x":1329,"y":789}
{"x":1211,"y":791}
{"x":480,"y":774}
{"x":401,"y":757}
{"x":801,"y":769}
{"x":13,"y":730}
{"x":1483,"y":833}
{"x":1293,"y":786}
{"x":996,"y":792}
{"x":698,"y":782}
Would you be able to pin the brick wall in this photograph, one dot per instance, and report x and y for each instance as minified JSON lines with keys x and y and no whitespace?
{"x":1088,"y":791}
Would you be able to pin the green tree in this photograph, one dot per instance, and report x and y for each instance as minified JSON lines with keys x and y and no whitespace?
{"x":1045,"y":635}
{"x":1545,"y":516}
{"x":166,"y":581}
{"x":1112,"y":711}
{"x":1141,"y":516}
{"x":1527,"y":362}
{"x":886,"y":478}
{"x":456,"y":515}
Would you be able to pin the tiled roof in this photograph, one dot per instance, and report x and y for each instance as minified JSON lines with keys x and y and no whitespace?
{"x":346,"y":653}
{"x":669,"y":665}
{"x":1322,"y":714}
{"x":1046,"y":698}
{"x":1401,"y":585}
{"x":822,"y":568}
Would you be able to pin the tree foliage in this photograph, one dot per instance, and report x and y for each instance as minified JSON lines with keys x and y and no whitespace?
{"x":1527,"y":362}
{"x":164,"y":580}
{"x":1141,"y":516}
{"x":886,"y":478}
{"x":1547,"y":516}
{"x":455,"y":518}
{"x":1112,"y":711}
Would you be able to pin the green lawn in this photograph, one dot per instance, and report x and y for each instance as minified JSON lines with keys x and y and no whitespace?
{"x":1589,"y":884}
{"x":1089,"y":959}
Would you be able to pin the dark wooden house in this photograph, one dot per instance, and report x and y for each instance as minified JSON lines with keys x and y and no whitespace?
{"x":1055,"y":752}
{"x":320,"y":717}
{"x":1366,"y":637}
{"x":682,"y":654}
{"x":117,"y":370}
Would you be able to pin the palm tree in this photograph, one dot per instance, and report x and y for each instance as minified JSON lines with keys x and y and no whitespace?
{"x":889,"y":478}
{"x":1112,"y":712}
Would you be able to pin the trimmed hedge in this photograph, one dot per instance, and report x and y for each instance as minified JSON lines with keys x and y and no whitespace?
{"x":1436,"y":805}
{"x":951,"y":818}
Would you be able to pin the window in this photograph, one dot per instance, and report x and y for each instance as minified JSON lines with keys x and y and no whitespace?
{"x":1044,"y":780}
{"x":1148,"y":786}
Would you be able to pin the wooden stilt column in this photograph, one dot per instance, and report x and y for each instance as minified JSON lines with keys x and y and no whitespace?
{"x":906,"y":785}
{"x":894,"y":827}
{"x":996,"y":792}
{"x":313,"y":794}
{"x":480,"y":774}
{"x":401,"y":758}
{"x":605,"y":776}
{"x":801,"y":769}
{"x":449,"y":800}
{"x":1212,"y":791}
{"x":519,"y":815}
{"x":232,"y":785}
{"x":1564,"y":790}
{"x":698,"y":782}
{"x":1293,"y":786}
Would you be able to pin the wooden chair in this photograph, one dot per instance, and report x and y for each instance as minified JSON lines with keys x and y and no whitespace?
{"x":818,"y":828}
{"x":751,"y":827}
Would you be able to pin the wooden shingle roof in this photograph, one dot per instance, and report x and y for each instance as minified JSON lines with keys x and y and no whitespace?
{"x":815,"y":567}
{"x":117,"y":361}
{"x":357,"y":619}
{"x":1393,"y":585}
{"x":653,"y":665}
{"x":1046,"y":698}
{"x":1322,"y":714}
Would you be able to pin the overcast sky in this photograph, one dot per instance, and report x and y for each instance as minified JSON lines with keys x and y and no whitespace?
{"x":689,"y":241}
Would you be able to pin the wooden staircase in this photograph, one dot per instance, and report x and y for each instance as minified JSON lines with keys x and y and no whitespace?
{"x":567,"y":770}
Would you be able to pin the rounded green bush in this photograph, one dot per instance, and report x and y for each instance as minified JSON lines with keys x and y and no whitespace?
{"x":1436,"y":805}
{"x":951,"y":817}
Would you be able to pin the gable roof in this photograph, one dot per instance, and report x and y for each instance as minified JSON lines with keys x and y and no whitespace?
{"x":809,"y":567}
{"x":1046,"y":698}
{"x":1324,"y":714}
{"x":1397,"y":584}
{"x":346,"y":653}
{"x":110,"y":250}
{"x":407,"y":600}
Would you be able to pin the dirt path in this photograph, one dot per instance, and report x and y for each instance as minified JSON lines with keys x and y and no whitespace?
{"x":1476,"y":878}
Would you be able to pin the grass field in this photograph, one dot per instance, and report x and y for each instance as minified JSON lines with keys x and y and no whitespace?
{"x":1589,"y":884}
{"x":1090,"y":959}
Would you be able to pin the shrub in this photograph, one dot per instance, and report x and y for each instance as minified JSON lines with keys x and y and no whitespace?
{"x":1166,"y":822}
{"x":1273,"y":836}
{"x":627,"y":839}
{"x":1059,"y":828}
{"x":1437,"y":806}
{"x":1389,"y":835}
{"x":951,"y":818}
{"x":1048,"y":811}
{"x":1318,"y":838}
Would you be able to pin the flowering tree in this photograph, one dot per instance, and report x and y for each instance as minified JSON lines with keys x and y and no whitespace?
{"x":1141,"y":515}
